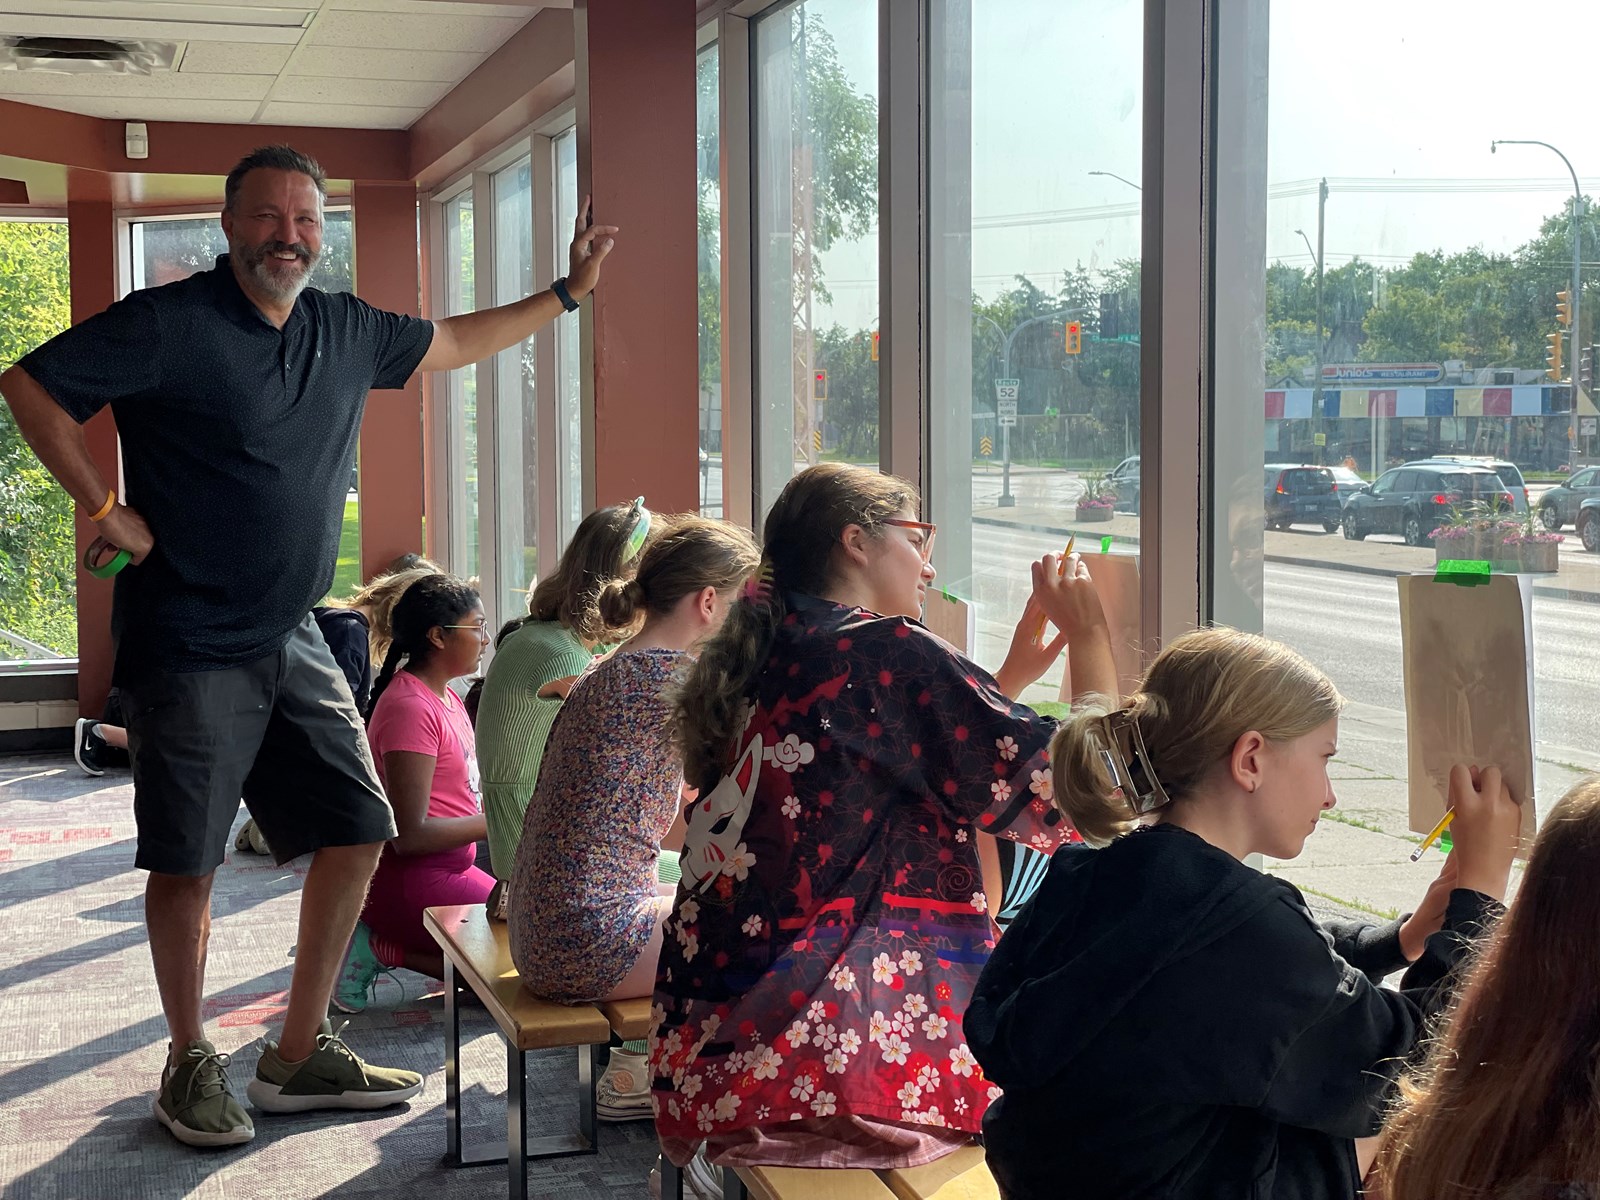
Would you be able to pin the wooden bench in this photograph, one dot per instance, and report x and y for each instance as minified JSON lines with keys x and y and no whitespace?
{"x":958,"y":1176}
{"x":477,"y":955}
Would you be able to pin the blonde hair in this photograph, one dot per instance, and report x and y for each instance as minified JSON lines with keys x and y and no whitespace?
{"x":801,"y":531}
{"x":1510,"y":1090}
{"x":1201,"y":694}
{"x":591,"y":562}
{"x":379,"y":596}
{"x":685,"y":553}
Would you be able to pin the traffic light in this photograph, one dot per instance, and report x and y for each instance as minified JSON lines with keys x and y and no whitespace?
{"x":1110,"y":316}
{"x":819,"y":385}
{"x":874,"y":345}
{"x":1074,"y":336}
{"x":1586,"y":368}
{"x":1564,"y":308}
{"x":1552,"y":356}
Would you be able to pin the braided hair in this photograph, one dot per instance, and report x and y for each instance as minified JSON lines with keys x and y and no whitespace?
{"x":430,"y":602}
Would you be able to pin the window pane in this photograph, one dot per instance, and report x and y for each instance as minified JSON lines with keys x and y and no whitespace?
{"x":38,"y":581}
{"x":168,"y":249}
{"x":816,"y":114}
{"x":568,"y":367}
{"x":519,"y":504}
{"x":460,"y":297}
{"x":1034,"y":321}
{"x":1410,"y":290}
{"x":708,"y":191}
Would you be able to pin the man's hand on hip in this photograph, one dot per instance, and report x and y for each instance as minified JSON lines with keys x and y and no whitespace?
{"x":125,"y":529}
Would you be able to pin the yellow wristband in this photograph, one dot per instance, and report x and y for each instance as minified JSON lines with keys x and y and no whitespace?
{"x":105,"y":509}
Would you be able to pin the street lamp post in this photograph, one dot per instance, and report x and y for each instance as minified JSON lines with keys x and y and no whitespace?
{"x":1318,"y":450}
{"x":1577,"y":274}
{"x":1113,"y":175}
{"x":1007,"y":500}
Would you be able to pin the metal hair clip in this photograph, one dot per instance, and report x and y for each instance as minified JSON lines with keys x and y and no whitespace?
{"x":1128,"y":763}
{"x":640,"y":531}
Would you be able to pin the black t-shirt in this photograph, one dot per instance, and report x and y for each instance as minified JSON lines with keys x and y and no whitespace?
{"x":349,"y":639}
{"x":237,"y":443}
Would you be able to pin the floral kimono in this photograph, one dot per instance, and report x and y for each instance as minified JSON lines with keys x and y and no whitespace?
{"x":831,"y":922}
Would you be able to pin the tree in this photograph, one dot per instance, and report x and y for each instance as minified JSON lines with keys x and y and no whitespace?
{"x":38,"y":584}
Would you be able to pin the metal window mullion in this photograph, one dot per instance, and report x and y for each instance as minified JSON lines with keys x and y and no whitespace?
{"x":1173,"y":362}
{"x":548,"y":451}
{"x":439,"y":448}
{"x":902,"y":258}
{"x":489,"y":490}
{"x":737,"y":207}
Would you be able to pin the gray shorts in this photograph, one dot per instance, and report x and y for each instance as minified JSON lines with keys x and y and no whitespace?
{"x":281,"y":732}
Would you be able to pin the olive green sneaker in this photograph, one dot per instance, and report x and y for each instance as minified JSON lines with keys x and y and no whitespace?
{"x":333,"y":1077}
{"x":196,"y":1102}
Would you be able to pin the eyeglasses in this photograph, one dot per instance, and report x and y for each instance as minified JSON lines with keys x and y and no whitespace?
{"x":482,"y":628}
{"x":639,"y":532}
{"x":929,"y":531}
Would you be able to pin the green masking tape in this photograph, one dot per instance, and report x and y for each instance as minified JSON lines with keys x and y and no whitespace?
{"x":92,"y":561}
{"x":1105,"y":544}
{"x":1462,"y":572}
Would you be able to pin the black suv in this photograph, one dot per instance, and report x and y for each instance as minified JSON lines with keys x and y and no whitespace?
{"x":1297,"y":494}
{"x":1414,"y":499}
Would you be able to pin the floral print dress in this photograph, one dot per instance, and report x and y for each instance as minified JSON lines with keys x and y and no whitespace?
{"x":831,"y":922}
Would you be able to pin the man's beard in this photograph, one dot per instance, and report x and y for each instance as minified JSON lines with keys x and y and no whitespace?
{"x":279,"y":286}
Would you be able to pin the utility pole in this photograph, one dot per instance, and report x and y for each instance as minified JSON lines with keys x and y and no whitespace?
{"x":1319,"y":434}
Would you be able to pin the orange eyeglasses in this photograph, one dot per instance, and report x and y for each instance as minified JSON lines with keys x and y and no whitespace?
{"x":929,"y":531}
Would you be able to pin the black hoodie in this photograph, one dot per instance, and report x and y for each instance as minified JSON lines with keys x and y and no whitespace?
{"x":1168,"y":1022}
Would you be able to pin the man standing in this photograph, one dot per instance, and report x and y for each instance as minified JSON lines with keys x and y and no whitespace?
{"x":238,"y":396}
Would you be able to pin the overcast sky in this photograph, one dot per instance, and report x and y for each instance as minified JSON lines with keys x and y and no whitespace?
{"x":1395,"y":102}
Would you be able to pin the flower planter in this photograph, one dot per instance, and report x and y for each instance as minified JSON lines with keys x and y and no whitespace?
{"x":1507,"y":557}
{"x":1539,"y":558}
{"x":1095,"y":512}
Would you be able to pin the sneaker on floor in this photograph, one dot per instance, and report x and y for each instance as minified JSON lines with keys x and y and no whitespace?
{"x":250,"y":839}
{"x":196,"y":1102}
{"x":333,"y":1077}
{"x":88,"y":747}
{"x":624,"y":1090}
{"x":701,"y":1180}
{"x":358,"y":978}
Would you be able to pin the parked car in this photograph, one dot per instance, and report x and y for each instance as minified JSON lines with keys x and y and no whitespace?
{"x":1508,"y":472}
{"x":1589,"y":524}
{"x":1298,"y":494}
{"x":1414,"y":499}
{"x":1124,"y":483}
{"x":1559,"y":507}
{"x":1347,"y":483}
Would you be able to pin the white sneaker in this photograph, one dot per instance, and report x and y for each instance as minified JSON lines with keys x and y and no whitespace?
{"x":624,"y":1090}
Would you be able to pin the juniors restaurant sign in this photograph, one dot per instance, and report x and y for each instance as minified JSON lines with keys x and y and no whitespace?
{"x":1367,"y":374}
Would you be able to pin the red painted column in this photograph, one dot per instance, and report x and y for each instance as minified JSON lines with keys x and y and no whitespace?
{"x":636,"y":155}
{"x":92,"y":250}
{"x":391,"y":479}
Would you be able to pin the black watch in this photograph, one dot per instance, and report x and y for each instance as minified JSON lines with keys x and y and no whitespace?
{"x":559,"y":287}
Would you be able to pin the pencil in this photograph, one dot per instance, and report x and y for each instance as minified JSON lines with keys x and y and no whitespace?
{"x":1438,"y":830}
{"x":1061,"y":569}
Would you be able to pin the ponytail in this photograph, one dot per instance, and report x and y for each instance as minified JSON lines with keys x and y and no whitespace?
{"x":801,"y":531}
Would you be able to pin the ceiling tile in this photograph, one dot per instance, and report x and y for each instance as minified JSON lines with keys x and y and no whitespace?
{"x":182,"y":86}
{"x":238,"y":58}
{"x":436,"y":8}
{"x":402,"y":31}
{"x":364,"y":93}
{"x":343,"y":116}
{"x":206,"y":111}
{"x":344,"y":62}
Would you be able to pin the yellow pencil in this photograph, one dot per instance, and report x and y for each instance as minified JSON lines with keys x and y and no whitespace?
{"x":1061,"y":569}
{"x":1438,"y":830}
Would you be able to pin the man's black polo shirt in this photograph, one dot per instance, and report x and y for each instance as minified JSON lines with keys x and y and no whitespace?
{"x":237,"y":442}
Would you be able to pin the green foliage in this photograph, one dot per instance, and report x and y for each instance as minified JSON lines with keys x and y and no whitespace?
{"x":38,"y":591}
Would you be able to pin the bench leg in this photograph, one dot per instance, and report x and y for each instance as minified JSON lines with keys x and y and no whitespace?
{"x":671,"y":1180}
{"x":516,"y":1122}
{"x":588,"y":1082}
{"x":452,"y":1066}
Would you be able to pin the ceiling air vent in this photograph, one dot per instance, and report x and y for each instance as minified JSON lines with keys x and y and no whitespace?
{"x":86,"y":56}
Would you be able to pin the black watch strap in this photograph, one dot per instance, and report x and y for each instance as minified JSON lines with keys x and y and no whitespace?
{"x":559,"y":287}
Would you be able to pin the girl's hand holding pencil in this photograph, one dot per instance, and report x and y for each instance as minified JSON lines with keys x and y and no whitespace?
{"x":1485,"y":823}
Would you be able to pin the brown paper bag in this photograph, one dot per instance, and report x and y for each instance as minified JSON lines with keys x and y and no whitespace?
{"x":952,"y":619}
{"x":1116,"y":579}
{"x":1468,"y":654}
